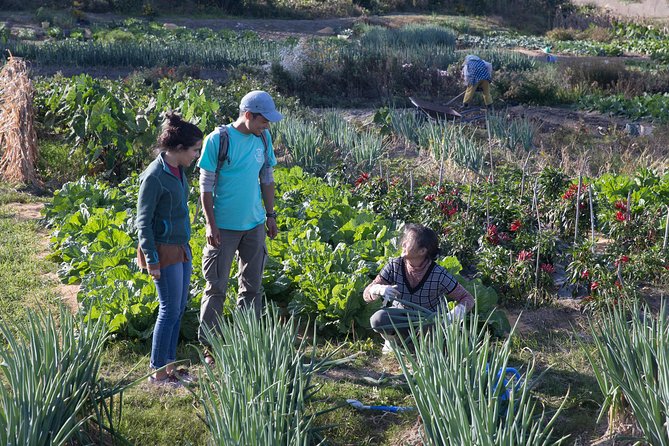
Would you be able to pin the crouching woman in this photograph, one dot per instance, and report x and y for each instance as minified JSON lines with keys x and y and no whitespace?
{"x":414,"y":277}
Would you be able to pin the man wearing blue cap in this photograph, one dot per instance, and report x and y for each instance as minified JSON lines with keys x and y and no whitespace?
{"x":237,"y":192}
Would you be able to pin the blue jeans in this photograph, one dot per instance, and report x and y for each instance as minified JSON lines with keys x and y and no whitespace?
{"x":173,"y":288}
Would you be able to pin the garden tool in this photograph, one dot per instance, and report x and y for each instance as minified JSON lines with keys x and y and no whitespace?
{"x":394,"y":409}
{"x":516,"y":377}
{"x":453,"y":100}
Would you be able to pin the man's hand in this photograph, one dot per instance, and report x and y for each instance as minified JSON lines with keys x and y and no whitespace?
{"x":213,"y":236}
{"x":272,"y":229}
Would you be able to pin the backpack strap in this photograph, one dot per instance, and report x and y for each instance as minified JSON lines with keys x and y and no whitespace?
{"x":223,"y":148}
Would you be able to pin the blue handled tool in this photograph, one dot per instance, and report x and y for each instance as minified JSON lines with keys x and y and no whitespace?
{"x":394,"y":409}
{"x":516,"y":378}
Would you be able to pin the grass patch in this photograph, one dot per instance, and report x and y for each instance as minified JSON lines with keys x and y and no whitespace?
{"x":27,"y":278}
{"x":566,"y":366}
{"x":351,"y":426}
{"x":153,"y":416}
{"x":10,"y":194}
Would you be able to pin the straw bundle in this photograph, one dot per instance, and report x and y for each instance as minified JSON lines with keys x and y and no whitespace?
{"x":18,"y":138}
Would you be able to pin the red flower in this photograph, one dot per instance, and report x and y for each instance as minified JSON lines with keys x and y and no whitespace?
{"x":363,"y":178}
{"x":491,"y":235}
{"x":448,"y":207}
{"x":547,"y":267}
{"x":621,"y":205}
{"x":524,"y":255}
{"x":516,"y":225}
{"x":620,"y":216}
{"x":571,"y":191}
{"x":594,"y":285}
{"x":430,"y":198}
{"x":623,"y":259}
{"x":585,"y":274}
{"x":618,"y":284}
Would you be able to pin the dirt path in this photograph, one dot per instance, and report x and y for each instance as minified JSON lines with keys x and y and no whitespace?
{"x":32,"y":212}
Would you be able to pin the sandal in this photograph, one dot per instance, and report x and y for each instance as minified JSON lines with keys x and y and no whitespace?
{"x":184,"y":377}
{"x":208,"y":358}
{"x":168,"y":381}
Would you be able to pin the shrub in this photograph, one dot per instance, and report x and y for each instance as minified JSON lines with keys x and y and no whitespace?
{"x":603,"y":74}
{"x":596,"y":33}
{"x":561,"y":34}
{"x":541,"y":87}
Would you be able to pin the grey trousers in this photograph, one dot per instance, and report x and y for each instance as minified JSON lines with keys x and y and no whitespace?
{"x":393,"y":321}
{"x":216,"y":264}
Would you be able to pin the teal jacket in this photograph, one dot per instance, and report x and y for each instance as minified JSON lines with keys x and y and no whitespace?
{"x":162,"y":209}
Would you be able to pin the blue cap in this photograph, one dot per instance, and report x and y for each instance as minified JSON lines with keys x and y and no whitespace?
{"x":261,"y":102}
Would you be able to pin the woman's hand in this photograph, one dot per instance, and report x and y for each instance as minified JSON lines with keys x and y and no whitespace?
{"x":154,"y":270}
{"x":388,"y":292}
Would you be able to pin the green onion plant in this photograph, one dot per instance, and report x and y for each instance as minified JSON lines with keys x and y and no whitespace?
{"x":51,"y":390}
{"x":255,"y":394}
{"x":631,"y":365}
{"x":464,"y":395}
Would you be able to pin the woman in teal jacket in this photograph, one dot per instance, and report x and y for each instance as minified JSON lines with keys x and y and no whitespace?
{"x":163,"y":224}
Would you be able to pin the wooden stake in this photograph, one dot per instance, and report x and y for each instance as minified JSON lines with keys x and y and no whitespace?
{"x":592,"y":218}
{"x":666,"y":231}
{"x":535,"y":202}
{"x":441,"y":166}
{"x":522,"y":180}
{"x":578,"y":199}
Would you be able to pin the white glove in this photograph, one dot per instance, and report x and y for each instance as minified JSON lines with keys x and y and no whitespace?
{"x":456,"y":314}
{"x":388,"y":292}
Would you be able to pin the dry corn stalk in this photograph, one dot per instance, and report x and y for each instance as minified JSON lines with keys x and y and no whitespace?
{"x":18,"y":138}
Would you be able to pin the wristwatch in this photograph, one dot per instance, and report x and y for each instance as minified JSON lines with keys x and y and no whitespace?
{"x":270,"y":215}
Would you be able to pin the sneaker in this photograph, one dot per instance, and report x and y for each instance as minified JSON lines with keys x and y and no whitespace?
{"x":168,"y":381}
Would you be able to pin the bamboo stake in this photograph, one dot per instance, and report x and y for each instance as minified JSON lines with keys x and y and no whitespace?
{"x":411,"y":183}
{"x":535,"y":202}
{"x":441,"y":166}
{"x":666,"y":231}
{"x":629,"y":203}
{"x":578,"y":197}
{"x":492,"y":169}
{"x":592,"y":218}
{"x":487,"y":206}
{"x":469,"y":198}
{"x":522,"y":180}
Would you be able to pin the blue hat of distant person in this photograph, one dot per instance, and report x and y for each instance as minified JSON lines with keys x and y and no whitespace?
{"x":259,"y":101}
